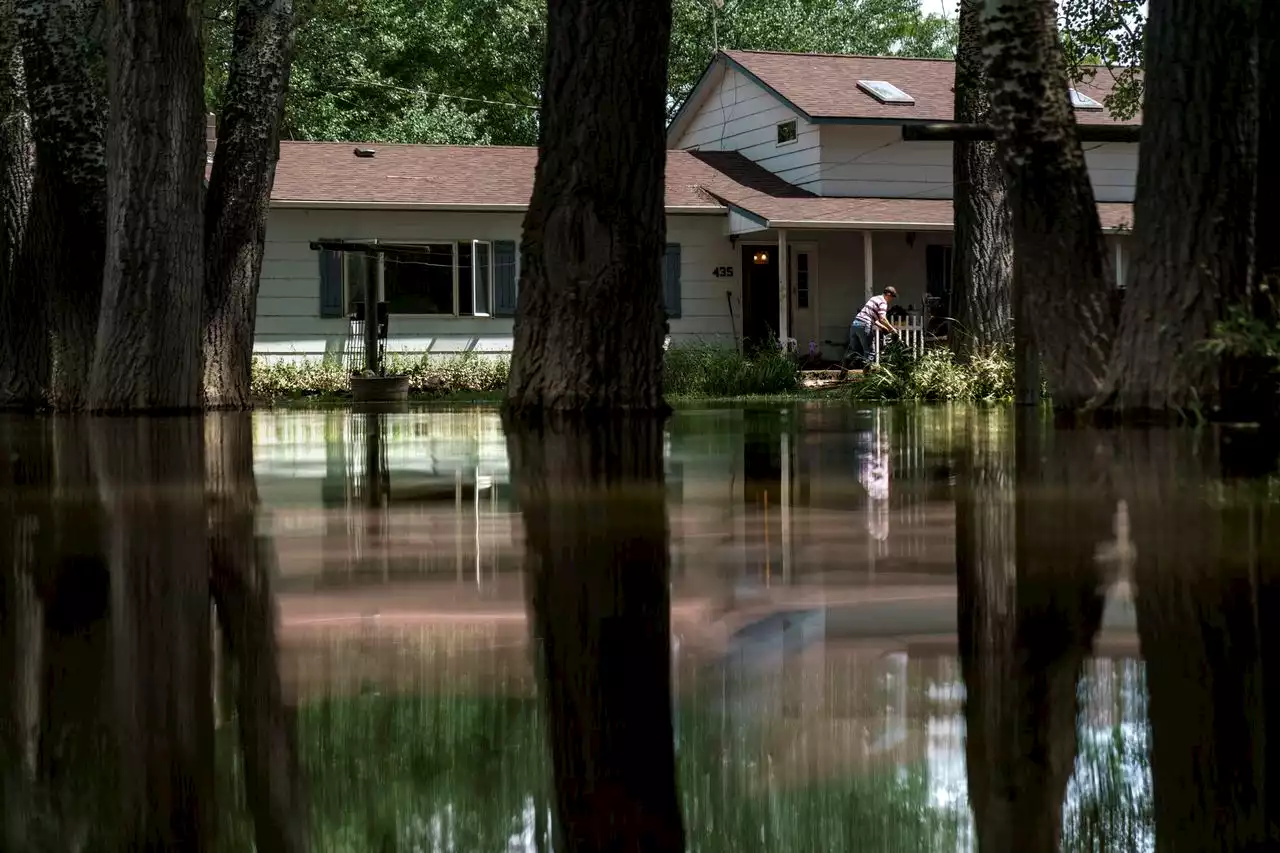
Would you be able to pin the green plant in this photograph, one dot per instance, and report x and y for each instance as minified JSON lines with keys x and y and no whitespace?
{"x":937,"y":375}
{"x":712,"y":370}
{"x":1249,"y":332}
{"x":440,"y":374}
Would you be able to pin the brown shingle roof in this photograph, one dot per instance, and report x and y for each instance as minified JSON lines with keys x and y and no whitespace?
{"x":826,"y":86}
{"x":323,"y":173}
{"x":329,"y":172}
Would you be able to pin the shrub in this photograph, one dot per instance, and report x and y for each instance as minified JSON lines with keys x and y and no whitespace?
{"x":937,"y":375}
{"x":712,"y":370}
{"x":427,"y":373}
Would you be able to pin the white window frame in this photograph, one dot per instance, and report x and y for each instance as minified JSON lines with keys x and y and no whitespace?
{"x":370,"y":264}
{"x":778,"y":127}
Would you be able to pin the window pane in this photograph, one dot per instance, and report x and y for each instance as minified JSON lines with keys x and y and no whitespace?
{"x":483,"y":279}
{"x":419,"y":279}
{"x":356,"y":268}
{"x":465,"y":304}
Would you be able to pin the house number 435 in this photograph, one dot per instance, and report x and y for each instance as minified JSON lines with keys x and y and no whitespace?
{"x":722,"y":272}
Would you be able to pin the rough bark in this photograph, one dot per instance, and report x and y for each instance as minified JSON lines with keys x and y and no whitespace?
{"x":24,"y":343}
{"x":1267,"y":257}
{"x":1195,"y":199}
{"x":152,"y":479}
{"x":1199,"y":633}
{"x":239,"y":194}
{"x":148,"y":353}
{"x":240,"y":569}
{"x":1030,"y":604}
{"x":596,"y":567}
{"x":982,"y":271}
{"x":590,"y":322}
{"x":1059,"y":254}
{"x":66,"y":239}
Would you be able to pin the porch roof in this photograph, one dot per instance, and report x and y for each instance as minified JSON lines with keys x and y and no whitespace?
{"x":870,"y":214}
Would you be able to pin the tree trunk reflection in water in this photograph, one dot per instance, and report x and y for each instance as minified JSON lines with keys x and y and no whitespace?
{"x":1197,"y":553}
{"x":594,"y":509}
{"x":1030,"y":604}
{"x":240,"y":564}
{"x":151,"y":473}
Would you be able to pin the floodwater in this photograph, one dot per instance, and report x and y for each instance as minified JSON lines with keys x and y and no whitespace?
{"x":890,"y":629}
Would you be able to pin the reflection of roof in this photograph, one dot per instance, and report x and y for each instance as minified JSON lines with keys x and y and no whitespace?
{"x":826,"y":86}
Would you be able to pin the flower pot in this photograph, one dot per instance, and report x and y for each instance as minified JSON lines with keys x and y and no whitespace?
{"x":379,"y":389}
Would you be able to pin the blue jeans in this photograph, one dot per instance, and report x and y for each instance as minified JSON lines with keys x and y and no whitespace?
{"x":858,"y":354}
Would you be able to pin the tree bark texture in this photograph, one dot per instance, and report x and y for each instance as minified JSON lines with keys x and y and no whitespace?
{"x":590,"y":323}
{"x":1060,"y":256}
{"x":1030,"y":605}
{"x":148,"y":352}
{"x":1195,"y":197}
{"x":597,"y":563}
{"x":239,"y":194}
{"x":1199,"y":631}
{"x":240,"y":569}
{"x":1267,"y":212}
{"x":66,"y":239}
{"x":153,"y":484}
{"x":24,"y":342}
{"x":982,"y":271}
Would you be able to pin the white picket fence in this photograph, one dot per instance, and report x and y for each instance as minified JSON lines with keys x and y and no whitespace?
{"x":910,"y":329}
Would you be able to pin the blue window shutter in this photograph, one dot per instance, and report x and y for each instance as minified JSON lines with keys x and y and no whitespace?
{"x":331,"y":297}
{"x":504,"y":278}
{"x":671,"y":295}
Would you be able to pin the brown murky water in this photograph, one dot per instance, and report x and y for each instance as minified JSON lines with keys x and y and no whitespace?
{"x":851,"y":591}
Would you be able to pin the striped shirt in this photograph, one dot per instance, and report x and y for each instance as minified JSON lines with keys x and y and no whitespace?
{"x":877,"y":308}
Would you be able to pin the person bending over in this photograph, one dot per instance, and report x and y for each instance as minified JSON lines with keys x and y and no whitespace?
{"x":874,"y":315}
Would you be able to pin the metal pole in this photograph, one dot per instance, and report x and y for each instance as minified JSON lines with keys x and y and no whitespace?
{"x":373,"y":294}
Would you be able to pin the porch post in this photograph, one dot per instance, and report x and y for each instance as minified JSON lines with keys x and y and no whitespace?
{"x":373,"y":294}
{"x":868,"y":265}
{"x":1119,"y":263}
{"x":784,"y":290}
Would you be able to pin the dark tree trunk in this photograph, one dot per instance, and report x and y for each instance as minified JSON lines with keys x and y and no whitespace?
{"x":240,"y":569}
{"x":590,"y":326}
{"x":239,"y":194}
{"x":148,"y":352}
{"x":1193,"y":240}
{"x":152,"y":480}
{"x":1199,"y":634}
{"x":1267,"y":212}
{"x":982,"y":274}
{"x":597,"y":561}
{"x":24,"y":340}
{"x":66,"y":239}
{"x":1030,"y":604}
{"x":1060,"y":257}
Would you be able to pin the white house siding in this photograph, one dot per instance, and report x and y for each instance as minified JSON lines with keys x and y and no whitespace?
{"x":871,"y":161}
{"x":739,"y":115}
{"x":289,"y":322}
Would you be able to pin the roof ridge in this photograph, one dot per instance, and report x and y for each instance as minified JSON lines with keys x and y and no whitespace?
{"x":840,"y":55}
{"x":360,"y":143}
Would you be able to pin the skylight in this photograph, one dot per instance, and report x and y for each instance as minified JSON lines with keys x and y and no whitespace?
{"x":885,"y":93}
{"x":1081,"y":101}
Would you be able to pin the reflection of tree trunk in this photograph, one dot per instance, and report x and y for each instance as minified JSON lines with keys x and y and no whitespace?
{"x":240,"y":568}
{"x":152,"y":477}
{"x":1030,"y":605}
{"x":594,"y":510}
{"x":1199,"y":637}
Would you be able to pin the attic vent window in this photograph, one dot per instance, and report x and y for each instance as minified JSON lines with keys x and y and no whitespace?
{"x":1081,"y":101}
{"x":364,"y":152}
{"x":885,"y":92}
{"x":787,"y":132}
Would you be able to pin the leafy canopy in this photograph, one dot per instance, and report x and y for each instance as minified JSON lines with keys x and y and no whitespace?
{"x":469,"y":71}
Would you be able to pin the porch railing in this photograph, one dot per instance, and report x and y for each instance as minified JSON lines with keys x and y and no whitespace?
{"x":910,"y":330}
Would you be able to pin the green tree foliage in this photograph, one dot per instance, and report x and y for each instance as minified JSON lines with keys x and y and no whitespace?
{"x":469,"y":71}
{"x":1106,"y":34}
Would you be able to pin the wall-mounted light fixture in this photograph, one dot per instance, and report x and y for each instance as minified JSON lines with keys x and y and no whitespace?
{"x":911,"y":238}
{"x":760,"y":257}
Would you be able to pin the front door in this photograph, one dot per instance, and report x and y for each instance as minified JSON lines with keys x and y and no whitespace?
{"x":759,"y":295}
